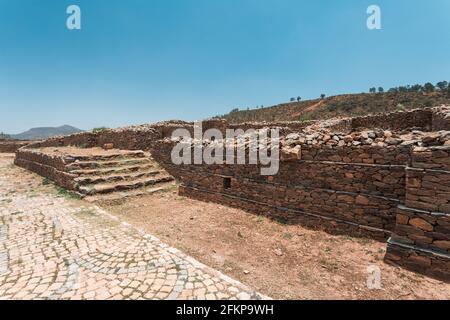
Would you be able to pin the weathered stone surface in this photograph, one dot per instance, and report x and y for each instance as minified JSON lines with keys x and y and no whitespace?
{"x":421,"y":224}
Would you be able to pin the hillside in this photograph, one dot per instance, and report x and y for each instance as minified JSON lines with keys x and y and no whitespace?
{"x":45,"y":132}
{"x":342,"y":105}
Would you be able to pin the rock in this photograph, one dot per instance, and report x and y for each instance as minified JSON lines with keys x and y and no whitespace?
{"x":278,"y":252}
{"x":362,"y":200}
{"x":432,"y":139}
{"x":402,"y":219}
{"x":293,"y":136}
{"x":348,"y":138}
{"x":356,"y":143}
{"x":243,"y":296}
{"x":246,"y":272}
{"x":393,"y":141}
{"x":291,"y":154}
{"x":443,"y":244}
{"x":387,"y":134}
{"x":108,"y":146}
{"x":421,"y":224}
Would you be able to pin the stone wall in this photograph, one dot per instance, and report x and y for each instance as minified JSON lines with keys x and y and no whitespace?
{"x":421,"y":240}
{"x":362,"y":197}
{"x":11,"y":146}
{"x":50,"y":166}
{"x":441,"y":118}
{"x":376,"y":184}
{"x":421,"y":118}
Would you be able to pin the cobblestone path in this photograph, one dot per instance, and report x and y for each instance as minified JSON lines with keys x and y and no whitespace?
{"x":53,"y":247}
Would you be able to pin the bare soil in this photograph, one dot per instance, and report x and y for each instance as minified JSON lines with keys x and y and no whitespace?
{"x":281,"y":261}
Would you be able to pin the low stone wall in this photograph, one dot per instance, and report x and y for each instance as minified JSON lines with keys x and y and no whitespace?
{"x":52,"y":167}
{"x":421,"y":118}
{"x":441,"y":118}
{"x":421,"y":243}
{"x":11,"y":146}
{"x":421,"y":240}
{"x":356,"y":194}
{"x":285,"y":215}
{"x":428,"y":189}
{"x":366,"y":154}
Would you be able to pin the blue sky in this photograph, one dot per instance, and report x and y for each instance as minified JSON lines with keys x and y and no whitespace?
{"x":139,"y":61}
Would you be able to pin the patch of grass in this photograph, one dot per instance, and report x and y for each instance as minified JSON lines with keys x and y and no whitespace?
{"x":66,"y":194}
{"x":364,"y":241}
{"x":99,"y":129}
{"x":86,"y":212}
{"x":287,"y":236}
{"x":282,"y":221}
{"x":46,"y":181}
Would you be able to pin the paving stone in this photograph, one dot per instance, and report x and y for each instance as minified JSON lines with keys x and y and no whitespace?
{"x":58,"y":248}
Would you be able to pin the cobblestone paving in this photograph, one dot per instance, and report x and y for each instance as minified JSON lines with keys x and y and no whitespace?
{"x":52,"y":247}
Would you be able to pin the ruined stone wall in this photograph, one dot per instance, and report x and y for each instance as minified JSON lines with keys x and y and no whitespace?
{"x":421,"y":240}
{"x":49,"y":166}
{"x":421,"y":118}
{"x":11,"y":146}
{"x":373,"y":183}
{"x":441,"y":118}
{"x":362,"y":197}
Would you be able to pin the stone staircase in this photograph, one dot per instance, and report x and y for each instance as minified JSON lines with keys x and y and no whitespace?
{"x":117,"y":175}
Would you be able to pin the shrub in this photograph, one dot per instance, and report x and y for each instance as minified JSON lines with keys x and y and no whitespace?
{"x":99,"y":129}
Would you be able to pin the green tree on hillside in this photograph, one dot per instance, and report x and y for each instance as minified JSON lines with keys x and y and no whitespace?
{"x":416,"y":88}
{"x":442,"y":85}
{"x":380,"y":89}
{"x":373,"y":90}
{"x":322,"y":96}
{"x":428,"y":87}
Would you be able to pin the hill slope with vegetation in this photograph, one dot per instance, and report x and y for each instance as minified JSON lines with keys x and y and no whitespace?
{"x":43,"y":133}
{"x":376,"y":101}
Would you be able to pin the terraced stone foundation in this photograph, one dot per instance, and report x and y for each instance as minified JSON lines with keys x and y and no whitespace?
{"x":384,"y":176}
{"x":93,"y":171}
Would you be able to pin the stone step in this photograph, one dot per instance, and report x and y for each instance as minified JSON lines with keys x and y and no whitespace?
{"x":122,"y":195}
{"x":106,"y":164}
{"x":85,"y":180}
{"x":117,"y":170}
{"x":124,"y":185}
{"x":128,"y":154}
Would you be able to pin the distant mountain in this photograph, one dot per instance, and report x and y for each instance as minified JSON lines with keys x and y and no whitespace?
{"x":4,"y":136}
{"x":45,"y":133}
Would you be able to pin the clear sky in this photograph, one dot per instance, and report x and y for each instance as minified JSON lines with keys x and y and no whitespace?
{"x":139,"y":61}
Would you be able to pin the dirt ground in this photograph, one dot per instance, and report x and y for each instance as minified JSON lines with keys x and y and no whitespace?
{"x":76,"y":151}
{"x":281,"y":261}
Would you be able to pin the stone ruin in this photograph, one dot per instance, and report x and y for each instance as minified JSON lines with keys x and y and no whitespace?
{"x":11,"y":146}
{"x":386,"y":177}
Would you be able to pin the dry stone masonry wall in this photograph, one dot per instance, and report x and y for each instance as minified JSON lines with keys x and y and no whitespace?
{"x":11,"y":146}
{"x":386,"y":177}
